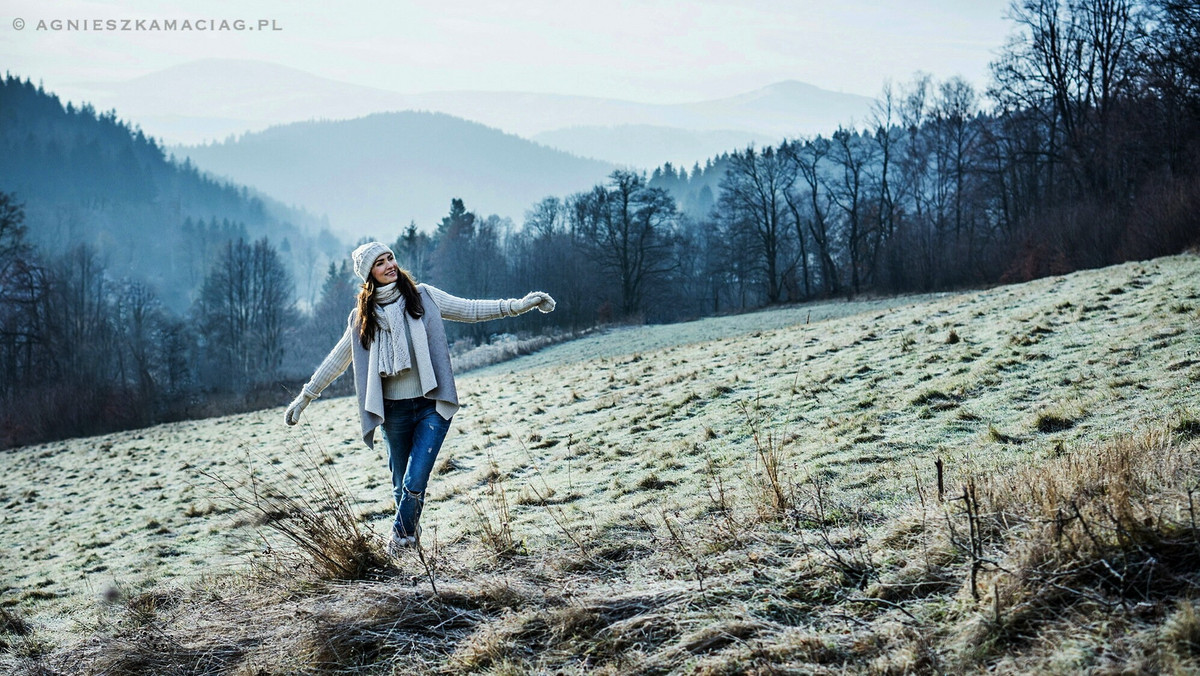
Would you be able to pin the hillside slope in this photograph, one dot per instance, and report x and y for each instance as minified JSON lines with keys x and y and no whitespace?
{"x":757,"y":499}
{"x":92,"y":178}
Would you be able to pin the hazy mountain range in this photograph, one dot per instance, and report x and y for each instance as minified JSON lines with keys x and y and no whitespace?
{"x":212,"y":99}
{"x":373,"y":175}
{"x":647,"y":146}
{"x":373,"y":160}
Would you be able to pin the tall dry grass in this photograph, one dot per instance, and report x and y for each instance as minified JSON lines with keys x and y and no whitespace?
{"x":1098,"y":547}
{"x":1110,"y":529}
{"x":494,"y":517}
{"x":774,"y":488}
{"x":322,"y":532}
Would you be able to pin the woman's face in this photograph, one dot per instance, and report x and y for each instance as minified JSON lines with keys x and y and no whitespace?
{"x":385,"y":270}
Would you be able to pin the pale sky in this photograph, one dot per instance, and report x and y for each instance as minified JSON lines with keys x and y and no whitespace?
{"x":652,"y":51}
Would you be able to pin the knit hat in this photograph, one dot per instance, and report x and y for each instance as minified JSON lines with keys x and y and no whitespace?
{"x":365,"y":255}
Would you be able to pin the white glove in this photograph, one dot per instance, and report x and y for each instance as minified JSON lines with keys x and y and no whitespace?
{"x":292,"y":415}
{"x":537,"y":299}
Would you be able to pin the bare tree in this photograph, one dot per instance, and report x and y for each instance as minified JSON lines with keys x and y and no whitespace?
{"x":551,"y":254}
{"x":810,"y":159}
{"x":139,"y":320}
{"x":1070,"y":62}
{"x":627,"y":226}
{"x":246,"y":304}
{"x":274,"y":308}
{"x":852,"y":156}
{"x":78,"y":323}
{"x":753,"y":194}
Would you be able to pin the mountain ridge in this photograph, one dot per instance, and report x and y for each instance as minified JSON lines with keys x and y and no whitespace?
{"x":381,"y":171}
{"x":242,"y":95}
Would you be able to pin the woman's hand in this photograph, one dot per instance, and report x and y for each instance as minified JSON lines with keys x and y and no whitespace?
{"x":547,"y":303}
{"x":537,"y":299}
{"x":292,"y":415}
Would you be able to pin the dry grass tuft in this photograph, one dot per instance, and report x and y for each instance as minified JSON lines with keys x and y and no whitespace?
{"x":595,"y":631}
{"x":1181,"y":630}
{"x":12,"y":623}
{"x":1048,"y":422}
{"x":1186,"y":426}
{"x":1088,"y":534}
{"x":314,"y":515}
{"x":18,"y":644}
{"x":934,"y":398}
{"x":156,"y":652}
{"x":652,"y":482}
{"x":1059,"y":417}
{"x":255,"y":625}
{"x":995,"y":435}
{"x":494,"y":516}
{"x":384,"y":627}
{"x":1119,"y":520}
{"x":716,"y":636}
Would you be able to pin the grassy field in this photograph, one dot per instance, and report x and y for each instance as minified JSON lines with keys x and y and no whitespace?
{"x":998,"y":480}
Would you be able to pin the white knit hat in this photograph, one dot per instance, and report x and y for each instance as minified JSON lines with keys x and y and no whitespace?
{"x":365,"y":255}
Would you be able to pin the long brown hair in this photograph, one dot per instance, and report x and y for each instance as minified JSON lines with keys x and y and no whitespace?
{"x":368,"y":324}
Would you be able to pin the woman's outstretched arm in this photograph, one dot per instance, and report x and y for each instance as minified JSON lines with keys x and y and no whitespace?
{"x":465,"y":310}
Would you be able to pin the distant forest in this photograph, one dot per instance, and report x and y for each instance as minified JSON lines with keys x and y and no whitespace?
{"x":1084,"y":151}
{"x":86,"y":177}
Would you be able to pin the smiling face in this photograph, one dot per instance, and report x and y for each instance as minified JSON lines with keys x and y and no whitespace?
{"x":384,"y":270}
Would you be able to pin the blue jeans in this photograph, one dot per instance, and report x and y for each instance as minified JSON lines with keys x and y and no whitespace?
{"x":413,"y":431}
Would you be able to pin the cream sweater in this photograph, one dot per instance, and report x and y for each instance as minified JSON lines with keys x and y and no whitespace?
{"x":407,"y":384}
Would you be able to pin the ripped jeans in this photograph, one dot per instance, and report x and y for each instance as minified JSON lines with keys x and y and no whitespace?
{"x":413,"y":431}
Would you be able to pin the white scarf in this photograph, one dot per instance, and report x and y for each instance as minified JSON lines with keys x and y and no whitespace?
{"x":394,"y":355}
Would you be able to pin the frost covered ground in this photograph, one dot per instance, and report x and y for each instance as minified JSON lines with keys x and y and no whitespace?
{"x":85,"y":516}
{"x":606,"y":437}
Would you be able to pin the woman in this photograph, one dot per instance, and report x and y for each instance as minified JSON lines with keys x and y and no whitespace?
{"x":397,"y":343}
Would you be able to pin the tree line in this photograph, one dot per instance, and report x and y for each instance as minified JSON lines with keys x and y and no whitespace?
{"x":1086,"y":156}
{"x":87,"y":176}
{"x":1084,"y":151}
{"x":85,"y":353}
